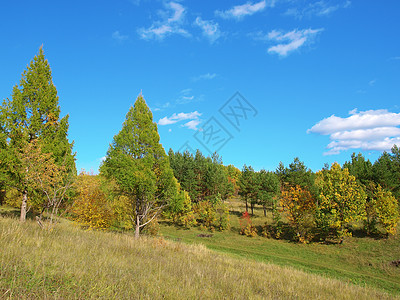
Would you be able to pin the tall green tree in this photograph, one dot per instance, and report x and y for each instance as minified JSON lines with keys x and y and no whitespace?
{"x":267,"y":187}
{"x":247,"y":184}
{"x":32,"y":116}
{"x":138,"y":163}
{"x":386,"y":171}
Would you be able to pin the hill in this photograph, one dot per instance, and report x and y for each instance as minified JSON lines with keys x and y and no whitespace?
{"x":68,"y":262}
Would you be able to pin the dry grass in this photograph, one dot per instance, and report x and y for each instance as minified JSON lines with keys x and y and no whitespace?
{"x":70,"y":263}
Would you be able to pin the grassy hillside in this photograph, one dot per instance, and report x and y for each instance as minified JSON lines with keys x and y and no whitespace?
{"x":359,"y":260}
{"x":68,"y":262}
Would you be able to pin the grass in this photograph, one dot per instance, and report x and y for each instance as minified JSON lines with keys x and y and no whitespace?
{"x":69,"y":262}
{"x":362,"y":261}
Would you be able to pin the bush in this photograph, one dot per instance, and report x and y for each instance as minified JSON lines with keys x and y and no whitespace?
{"x":91,"y":207}
{"x":246,"y":226}
{"x":212,"y":216}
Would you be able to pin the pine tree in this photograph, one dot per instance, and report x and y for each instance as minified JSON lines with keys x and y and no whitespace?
{"x":137,"y":162}
{"x":32,"y":117}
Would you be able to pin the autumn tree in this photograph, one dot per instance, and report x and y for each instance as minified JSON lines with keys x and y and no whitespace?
{"x":386,"y":209}
{"x":137,"y":162}
{"x":31,"y":117}
{"x":299,"y":206}
{"x":341,"y":200}
{"x":91,"y":207}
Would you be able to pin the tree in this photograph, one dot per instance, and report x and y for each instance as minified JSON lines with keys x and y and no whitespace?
{"x":299,"y":206}
{"x":386,"y":171}
{"x":32,"y":116}
{"x":246,"y":184}
{"x":267,"y":188}
{"x":137,"y":162}
{"x":386,"y":209}
{"x":91,"y":207}
{"x":342,"y":199}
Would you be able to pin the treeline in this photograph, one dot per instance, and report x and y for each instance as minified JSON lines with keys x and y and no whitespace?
{"x":204,"y":178}
{"x":329,"y":203}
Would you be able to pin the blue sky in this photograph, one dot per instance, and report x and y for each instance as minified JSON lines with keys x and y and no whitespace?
{"x":315,"y":79}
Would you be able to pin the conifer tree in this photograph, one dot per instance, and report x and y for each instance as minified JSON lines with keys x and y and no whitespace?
{"x":138,"y":163}
{"x":32,"y":116}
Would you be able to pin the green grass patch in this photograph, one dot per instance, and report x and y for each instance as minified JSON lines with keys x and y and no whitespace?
{"x":363,"y":261}
{"x":68,"y":262}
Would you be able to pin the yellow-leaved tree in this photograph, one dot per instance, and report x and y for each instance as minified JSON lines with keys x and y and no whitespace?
{"x":341,"y":201}
{"x":299,"y":207}
{"x":386,"y":209}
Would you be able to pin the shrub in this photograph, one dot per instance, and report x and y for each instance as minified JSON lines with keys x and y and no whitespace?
{"x":91,"y":207}
{"x":246,"y":226}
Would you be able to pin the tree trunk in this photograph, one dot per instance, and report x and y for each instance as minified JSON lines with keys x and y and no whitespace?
{"x":252,"y":209}
{"x":265,"y":211}
{"x":247,"y":208}
{"x":137,"y":229}
{"x":23,"y":206}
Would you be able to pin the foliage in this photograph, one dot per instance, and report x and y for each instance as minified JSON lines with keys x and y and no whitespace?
{"x":202,"y":177}
{"x":30,"y":118}
{"x":386,"y":171}
{"x":387,"y":210}
{"x":246,"y":186}
{"x":299,"y":206}
{"x":212,"y":215}
{"x":246,"y":226}
{"x":91,"y":207}
{"x":342,"y":200}
{"x":267,"y":188}
{"x":181,"y":210}
{"x":137,"y":162}
{"x":296,"y":174}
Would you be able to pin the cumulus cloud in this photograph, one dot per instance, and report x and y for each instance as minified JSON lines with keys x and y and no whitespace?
{"x":366,"y":130}
{"x":175,"y":118}
{"x":291,"y":40}
{"x":209,"y":28}
{"x":238,"y":12}
{"x":171,"y":24}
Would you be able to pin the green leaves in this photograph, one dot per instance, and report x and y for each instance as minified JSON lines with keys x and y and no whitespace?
{"x":138,"y":163}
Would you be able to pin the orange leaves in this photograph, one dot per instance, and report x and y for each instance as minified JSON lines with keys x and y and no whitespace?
{"x":295,"y":201}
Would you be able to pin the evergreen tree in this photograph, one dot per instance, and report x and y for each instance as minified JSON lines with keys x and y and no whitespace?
{"x":247,"y":184}
{"x":267,"y":188}
{"x":31,"y":117}
{"x":137,"y":162}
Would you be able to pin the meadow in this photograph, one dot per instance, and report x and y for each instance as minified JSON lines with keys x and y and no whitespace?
{"x":70,"y":262}
{"x":361,"y":260}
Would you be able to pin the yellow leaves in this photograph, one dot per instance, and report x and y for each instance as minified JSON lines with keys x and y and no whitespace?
{"x":91,"y":207}
{"x":387,"y":210}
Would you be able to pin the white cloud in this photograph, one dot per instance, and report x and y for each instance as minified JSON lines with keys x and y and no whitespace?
{"x":171,"y":23}
{"x":175,"y":118}
{"x":207,"y":76}
{"x":291,"y":40}
{"x":247,"y":9}
{"x":319,"y":8}
{"x":118,"y":36}
{"x":366,"y":130}
{"x":210,"y":29}
{"x":192,"y":124}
